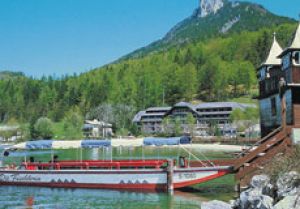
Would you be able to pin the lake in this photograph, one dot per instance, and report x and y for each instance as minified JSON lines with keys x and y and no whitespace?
{"x":40,"y":198}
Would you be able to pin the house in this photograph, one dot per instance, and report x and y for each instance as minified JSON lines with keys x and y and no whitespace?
{"x":97,"y":129}
{"x":279,"y":86}
{"x":10,"y":133}
{"x":150,"y":121}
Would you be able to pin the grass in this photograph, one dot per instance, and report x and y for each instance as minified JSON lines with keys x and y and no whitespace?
{"x":61,"y":134}
{"x":245,"y":100}
{"x":58,"y":129}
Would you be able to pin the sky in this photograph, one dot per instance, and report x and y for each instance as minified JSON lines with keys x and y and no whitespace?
{"x":58,"y":37}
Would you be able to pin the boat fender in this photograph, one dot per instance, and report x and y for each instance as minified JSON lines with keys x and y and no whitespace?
{"x":6,"y":153}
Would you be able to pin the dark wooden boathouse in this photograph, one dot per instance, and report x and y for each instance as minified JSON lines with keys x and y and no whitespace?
{"x":281,"y":65}
{"x":279,"y":101}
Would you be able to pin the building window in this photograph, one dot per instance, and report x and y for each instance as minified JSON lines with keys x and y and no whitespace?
{"x":273,"y":106}
{"x":296,"y":58}
{"x":262,"y":73}
{"x":286,"y":61}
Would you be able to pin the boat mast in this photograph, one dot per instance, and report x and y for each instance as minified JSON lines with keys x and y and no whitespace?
{"x":143,"y":157}
{"x":111,"y":154}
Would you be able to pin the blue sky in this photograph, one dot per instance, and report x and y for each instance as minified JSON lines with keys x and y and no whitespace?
{"x":55,"y":37}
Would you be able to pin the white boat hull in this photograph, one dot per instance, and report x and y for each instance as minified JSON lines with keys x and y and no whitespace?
{"x":146,"y":179}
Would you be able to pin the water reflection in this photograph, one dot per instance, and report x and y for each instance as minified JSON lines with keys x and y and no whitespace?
{"x":34,"y":197}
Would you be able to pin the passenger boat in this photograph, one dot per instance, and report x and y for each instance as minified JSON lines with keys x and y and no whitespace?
{"x":144,"y":174}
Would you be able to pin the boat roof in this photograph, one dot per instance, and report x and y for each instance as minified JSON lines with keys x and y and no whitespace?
{"x":96,"y":143}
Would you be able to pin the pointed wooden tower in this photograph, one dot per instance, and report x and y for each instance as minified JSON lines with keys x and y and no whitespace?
{"x":269,"y":74}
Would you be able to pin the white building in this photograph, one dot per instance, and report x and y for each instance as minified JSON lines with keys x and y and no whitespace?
{"x":97,"y":129}
{"x":205,"y":114}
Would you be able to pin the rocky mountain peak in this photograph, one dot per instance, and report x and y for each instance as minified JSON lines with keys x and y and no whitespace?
{"x":210,"y":6}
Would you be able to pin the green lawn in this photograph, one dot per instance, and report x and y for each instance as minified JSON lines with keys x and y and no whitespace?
{"x":58,"y":129}
{"x":246,"y":100}
{"x":61,"y":134}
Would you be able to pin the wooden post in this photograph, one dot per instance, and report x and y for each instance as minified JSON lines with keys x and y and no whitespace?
{"x":170,"y":170}
{"x":283,"y":113}
{"x":282,"y":88}
{"x":237,"y":189}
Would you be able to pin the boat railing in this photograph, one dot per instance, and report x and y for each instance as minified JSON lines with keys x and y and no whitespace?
{"x":86,"y":165}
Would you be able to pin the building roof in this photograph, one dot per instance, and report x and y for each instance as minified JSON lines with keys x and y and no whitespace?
{"x":9,"y":128}
{"x":275,"y":51}
{"x":185,"y":104}
{"x":138,"y":116}
{"x":295,"y":44}
{"x":158,"y":109}
{"x":296,"y":41}
{"x":210,"y":105}
{"x":233,"y":105}
{"x":97,"y":122}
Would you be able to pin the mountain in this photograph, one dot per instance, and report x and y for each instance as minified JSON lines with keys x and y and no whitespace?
{"x":210,"y":56}
{"x":210,"y":6}
{"x":214,"y":18}
{"x":8,"y":75}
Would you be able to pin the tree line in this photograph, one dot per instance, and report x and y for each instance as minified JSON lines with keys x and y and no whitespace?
{"x":214,"y":70}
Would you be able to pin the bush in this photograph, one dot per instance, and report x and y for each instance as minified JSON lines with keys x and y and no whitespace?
{"x":44,"y":128}
{"x":284,"y":163}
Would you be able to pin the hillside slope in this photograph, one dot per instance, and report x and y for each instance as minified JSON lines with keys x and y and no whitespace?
{"x":232,"y":17}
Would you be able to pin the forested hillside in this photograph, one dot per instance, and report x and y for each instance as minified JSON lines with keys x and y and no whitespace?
{"x":218,"y":68}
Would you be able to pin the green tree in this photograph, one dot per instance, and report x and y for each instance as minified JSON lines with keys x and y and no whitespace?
{"x":252,"y":118}
{"x":237,"y":115}
{"x":191,"y":121}
{"x":167,"y":126}
{"x":177,"y":127}
{"x":44,"y":128}
{"x":73,"y":123}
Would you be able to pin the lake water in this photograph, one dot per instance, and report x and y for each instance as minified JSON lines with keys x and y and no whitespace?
{"x":44,"y":198}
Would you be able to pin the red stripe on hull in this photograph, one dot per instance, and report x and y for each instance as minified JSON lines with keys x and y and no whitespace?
{"x":150,"y":187}
{"x":198,"y":181}
{"x":84,"y":172}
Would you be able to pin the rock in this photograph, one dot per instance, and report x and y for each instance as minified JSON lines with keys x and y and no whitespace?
{"x":265,"y":202}
{"x":260,"y":181}
{"x":235,"y":204}
{"x":215,"y":204}
{"x":248,"y":195}
{"x":269,"y":190}
{"x":289,"y":202}
{"x":210,"y":6}
{"x":287,"y":184}
{"x":253,"y":198}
